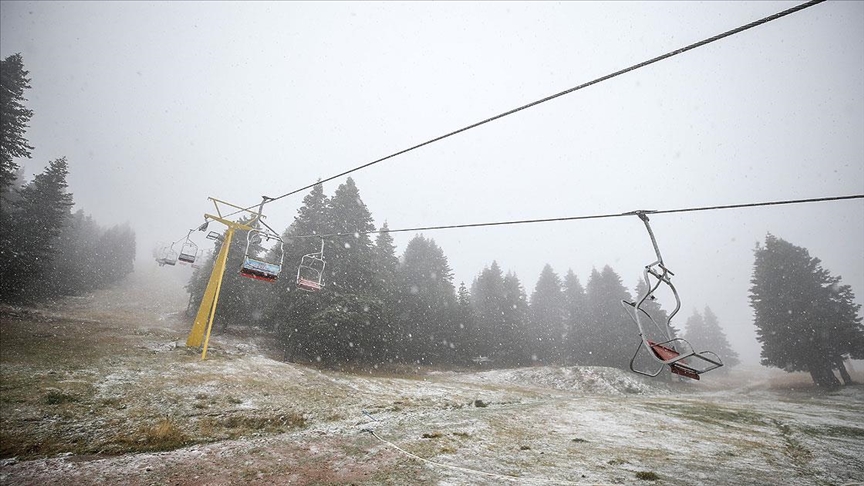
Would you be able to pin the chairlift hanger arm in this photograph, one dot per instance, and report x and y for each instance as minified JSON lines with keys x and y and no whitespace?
{"x":643,"y":215}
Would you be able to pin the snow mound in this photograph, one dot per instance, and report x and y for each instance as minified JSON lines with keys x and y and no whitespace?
{"x":594,"y":380}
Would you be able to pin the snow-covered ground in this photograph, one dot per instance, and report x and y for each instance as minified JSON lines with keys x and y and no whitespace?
{"x":86,"y":381}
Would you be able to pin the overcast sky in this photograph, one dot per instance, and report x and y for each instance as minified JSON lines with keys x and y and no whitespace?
{"x":159,"y":105}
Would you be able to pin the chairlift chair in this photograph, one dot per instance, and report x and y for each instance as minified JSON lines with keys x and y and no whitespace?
{"x":189,"y":251}
{"x":258,"y":269}
{"x":168,"y":256}
{"x":310,"y":272}
{"x":677,"y":353}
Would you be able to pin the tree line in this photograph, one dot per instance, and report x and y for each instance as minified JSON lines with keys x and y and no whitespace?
{"x":378,"y":307}
{"x":45,"y":249}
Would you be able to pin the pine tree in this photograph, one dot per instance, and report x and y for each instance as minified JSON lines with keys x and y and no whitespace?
{"x":804,"y":318}
{"x":386,"y":286}
{"x":76,"y":267}
{"x":428,"y":303}
{"x":89,"y":257}
{"x":290,"y":310}
{"x":116,"y":254}
{"x":466,"y":321}
{"x":613,"y":336}
{"x":14,"y":117}
{"x":350,"y":269}
{"x":513,"y":346}
{"x":548,"y":330}
{"x":705,"y":334}
{"x":846,"y":336}
{"x":385,"y":261}
{"x":312,"y":219}
{"x":574,"y":315}
{"x":340,"y":324}
{"x":36,"y":220}
{"x":489,"y":300}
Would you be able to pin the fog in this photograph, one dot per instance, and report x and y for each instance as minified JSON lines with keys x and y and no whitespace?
{"x":159,"y":105}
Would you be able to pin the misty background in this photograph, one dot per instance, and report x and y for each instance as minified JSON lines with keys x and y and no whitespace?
{"x":159,"y":105}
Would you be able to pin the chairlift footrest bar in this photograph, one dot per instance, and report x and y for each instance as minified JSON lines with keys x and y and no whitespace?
{"x":683,"y":371}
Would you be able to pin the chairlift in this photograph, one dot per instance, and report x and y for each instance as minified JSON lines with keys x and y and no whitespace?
{"x":310,"y":272}
{"x":189,"y":250}
{"x":677,"y":353}
{"x":259,"y":269}
{"x":167,"y":256}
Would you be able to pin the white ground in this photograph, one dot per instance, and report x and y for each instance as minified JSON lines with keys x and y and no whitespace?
{"x":529,"y":426}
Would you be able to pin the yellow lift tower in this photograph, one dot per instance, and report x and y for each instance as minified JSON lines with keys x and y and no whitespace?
{"x":207,"y":310}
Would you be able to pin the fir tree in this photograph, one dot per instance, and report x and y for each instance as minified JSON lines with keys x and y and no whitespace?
{"x":350,"y":266}
{"x":89,"y":257}
{"x":513,"y":345}
{"x":14,"y":117}
{"x":548,"y":330}
{"x":428,"y":303}
{"x":36,"y":220}
{"x":574,"y":315}
{"x":77,"y":263}
{"x":385,"y":261}
{"x":290,"y":310}
{"x":705,"y":334}
{"x":386,"y":286}
{"x":613,"y":336}
{"x":341,"y":323}
{"x":466,"y":322}
{"x":488,"y":300}
{"x":804,"y":318}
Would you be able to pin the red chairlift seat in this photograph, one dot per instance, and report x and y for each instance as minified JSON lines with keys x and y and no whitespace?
{"x":664,"y":353}
{"x":310,"y":272}
{"x":308,"y":285}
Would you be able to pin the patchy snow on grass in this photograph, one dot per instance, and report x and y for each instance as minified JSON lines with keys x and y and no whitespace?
{"x":127,"y":403}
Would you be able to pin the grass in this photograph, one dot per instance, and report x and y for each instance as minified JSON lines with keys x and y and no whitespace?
{"x":128,"y":398}
{"x":711,"y":413}
{"x":834,"y":431}
{"x":88,"y":386}
{"x":56,"y":397}
{"x":165,"y":435}
{"x":647,"y":476}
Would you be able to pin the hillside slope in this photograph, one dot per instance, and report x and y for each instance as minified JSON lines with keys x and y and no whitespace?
{"x":101,"y":390}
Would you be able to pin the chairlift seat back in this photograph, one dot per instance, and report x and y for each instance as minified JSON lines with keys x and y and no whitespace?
{"x":259,"y":270}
